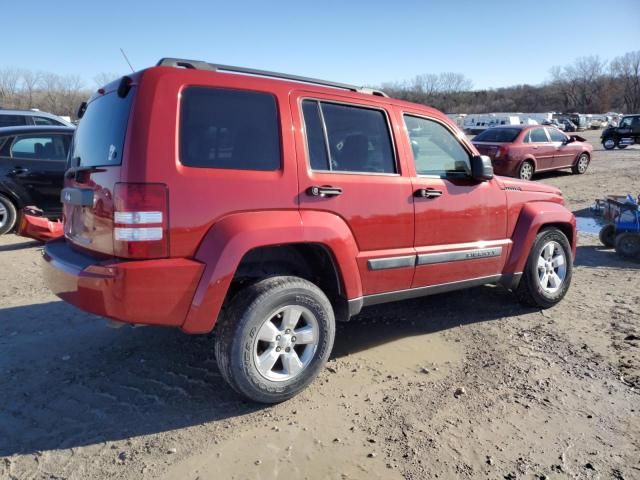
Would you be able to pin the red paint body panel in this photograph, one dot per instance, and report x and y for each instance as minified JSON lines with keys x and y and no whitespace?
{"x":217,"y":216}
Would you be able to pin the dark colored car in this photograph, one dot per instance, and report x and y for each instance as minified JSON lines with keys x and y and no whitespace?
{"x":32,"y":164}
{"x":626,"y":133}
{"x":521,"y":151}
{"x":269,"y":206}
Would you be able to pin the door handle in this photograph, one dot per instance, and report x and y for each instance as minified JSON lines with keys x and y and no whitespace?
{"x":19,"y":170}
{"x":324,"y":191}
{"x":427,"y":193}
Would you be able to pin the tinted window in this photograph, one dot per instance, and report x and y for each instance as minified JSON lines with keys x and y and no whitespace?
{"x":358,"y":139}
{"x":231,"y":129}
{"x":12,"y":120}
{"x":538,"y":135}
{"x":436,"y":151}
{"x":556,"y":135}
{"x":99,"y":138}
{"x":40,"y":147}
{"x":498,"y":135}
{"x":316,"y":144}
{"x":45,"y":121}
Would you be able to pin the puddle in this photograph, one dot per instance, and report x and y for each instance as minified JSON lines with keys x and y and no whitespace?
{"x":589,"y":225}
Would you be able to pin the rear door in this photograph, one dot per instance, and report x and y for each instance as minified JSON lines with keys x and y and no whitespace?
{"x":37,"y":164}
{"x":541,"y":147}
{"x":349,"y":152}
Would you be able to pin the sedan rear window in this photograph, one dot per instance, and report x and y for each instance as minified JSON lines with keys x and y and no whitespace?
{"x":498,"y":135}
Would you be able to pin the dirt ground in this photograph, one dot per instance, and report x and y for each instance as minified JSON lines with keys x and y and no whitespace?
{"x":540,"y":394}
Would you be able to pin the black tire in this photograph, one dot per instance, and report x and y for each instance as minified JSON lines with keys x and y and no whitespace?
{"x":239,"y":325}
{"x":8,"y":215}
{"x":526,"y":170}
{"x":608,"y":235}
{"x":581,"y":165}
{"x":529,"y":290}
{"x":609,"y":143}
{"x":628,"y":245}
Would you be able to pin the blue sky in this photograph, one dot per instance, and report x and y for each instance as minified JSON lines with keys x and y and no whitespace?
{"x":494,"y":43}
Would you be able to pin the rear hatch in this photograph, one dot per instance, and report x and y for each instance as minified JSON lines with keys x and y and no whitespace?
{"x":96,"y":159}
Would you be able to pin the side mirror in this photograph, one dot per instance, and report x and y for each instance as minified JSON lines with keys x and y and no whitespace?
{"x":481,"y":168}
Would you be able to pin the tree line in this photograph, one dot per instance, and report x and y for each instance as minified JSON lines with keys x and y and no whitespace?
{"x":588,"y":85}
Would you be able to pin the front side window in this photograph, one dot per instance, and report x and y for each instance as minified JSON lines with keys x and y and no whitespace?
{"x":556,"y":135}
{"x":538,"y":135}
{"x":353,"y":139}
{"x":436,"y":150}
{"x":40,"y":147}
{"x":230,"y":129}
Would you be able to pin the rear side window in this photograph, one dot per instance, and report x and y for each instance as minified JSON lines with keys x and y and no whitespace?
{"x":232,"y":129}
{"x":346,"y":138}
{"x":12,"y":120}
{"x":40,"y":147}
{"x":45,"y":121}
{"x":498,"y":135}
{"x":99,"y":138}
{"x":538,"y":135}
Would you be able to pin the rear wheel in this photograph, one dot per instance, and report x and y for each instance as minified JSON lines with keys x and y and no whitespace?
{"x":8,"y":215}
{"x":525,"y":172}
{"x":609,"y":143}
{"x":274,"y":338}
{"x":581,"y":165}
{"x":547,"y":274}
{"x":628,"y":245}
{"x":608,"y":235}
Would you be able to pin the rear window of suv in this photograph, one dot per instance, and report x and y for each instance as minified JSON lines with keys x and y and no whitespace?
{"x":99,"y":138}
{"x":498,"y":135}
{"x":231,"y":129}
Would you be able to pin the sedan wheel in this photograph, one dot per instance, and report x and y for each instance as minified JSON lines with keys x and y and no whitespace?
{"x":526,"y":171}
{"x":8,"y":215}
{"x":581,"y":165}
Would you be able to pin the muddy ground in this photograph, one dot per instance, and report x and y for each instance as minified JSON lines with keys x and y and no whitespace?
{"x":541,"y":394}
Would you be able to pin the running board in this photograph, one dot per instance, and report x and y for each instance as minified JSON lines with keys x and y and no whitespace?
{"x":355,"y":305}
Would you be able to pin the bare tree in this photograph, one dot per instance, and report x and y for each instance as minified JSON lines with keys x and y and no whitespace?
{"x":9,"y":85}
{"x":30,"y":83}
{"x":104,"y":78}
{"x":627,"y":69}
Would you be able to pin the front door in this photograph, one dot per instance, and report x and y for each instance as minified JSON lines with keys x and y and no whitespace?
{"x":349,"y":166}
{"x":541,"y":147}
{"x":460,"y":225}
{"x":565,"y":153}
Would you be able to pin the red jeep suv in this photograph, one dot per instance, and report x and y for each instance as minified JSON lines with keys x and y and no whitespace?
{"x":269,"y":206}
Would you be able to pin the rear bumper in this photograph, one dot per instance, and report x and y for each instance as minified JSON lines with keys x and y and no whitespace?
{"x":149,"y":292}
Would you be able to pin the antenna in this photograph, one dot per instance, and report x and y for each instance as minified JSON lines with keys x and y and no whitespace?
{"x":126,"y":59}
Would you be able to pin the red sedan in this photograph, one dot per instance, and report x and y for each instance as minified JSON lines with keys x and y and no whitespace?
{"x":521,"y":151}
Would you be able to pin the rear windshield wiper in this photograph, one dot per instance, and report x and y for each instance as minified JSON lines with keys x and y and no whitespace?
{"x":75,"y":172}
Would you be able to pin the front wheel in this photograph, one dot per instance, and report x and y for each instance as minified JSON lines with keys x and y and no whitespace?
{"x":581,"y":165}
{"x":525,"y":172}
{"x":547,"y":274}
{"x":274,"y":338}
{"x":609,"y":143}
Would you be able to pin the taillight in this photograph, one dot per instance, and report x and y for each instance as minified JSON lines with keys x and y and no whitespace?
{"x":502,"y":151}
{"x":140,"y":220}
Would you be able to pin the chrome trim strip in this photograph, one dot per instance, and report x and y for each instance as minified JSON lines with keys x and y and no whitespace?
{"x":392,"y":262}
{"x":471,"y":254}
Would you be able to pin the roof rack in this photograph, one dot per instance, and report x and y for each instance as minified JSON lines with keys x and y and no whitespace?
{"x":214,"y":67}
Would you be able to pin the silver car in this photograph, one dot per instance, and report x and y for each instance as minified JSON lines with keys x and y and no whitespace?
{"x":18,"y":118}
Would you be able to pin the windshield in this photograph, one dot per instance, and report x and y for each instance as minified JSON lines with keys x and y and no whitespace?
{"x":99,"y":139}
{"x":498,"y":135}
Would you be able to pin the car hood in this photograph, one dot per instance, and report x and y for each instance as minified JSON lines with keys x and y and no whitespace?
{"x":514,"y":184}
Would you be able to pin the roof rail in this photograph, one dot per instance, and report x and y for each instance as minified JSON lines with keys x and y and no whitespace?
{"x":214,"y":67}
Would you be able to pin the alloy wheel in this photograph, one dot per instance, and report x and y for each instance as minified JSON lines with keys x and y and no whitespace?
{"x":583,"y":163}
{"x":4,"y":215}
{"x":286,"y":343}
{"x":552,"y":267}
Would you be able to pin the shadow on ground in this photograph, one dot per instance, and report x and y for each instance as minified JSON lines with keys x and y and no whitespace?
{"x":19,"y":246}
{"x":69,"y":381}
